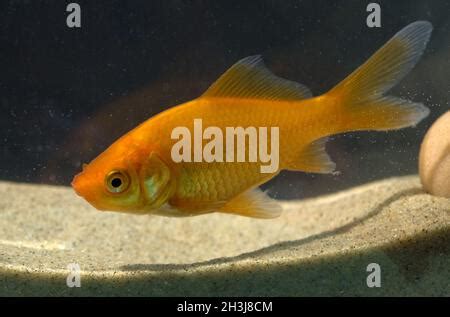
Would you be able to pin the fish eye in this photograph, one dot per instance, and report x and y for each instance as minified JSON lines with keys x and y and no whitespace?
{"x":117,"y":182}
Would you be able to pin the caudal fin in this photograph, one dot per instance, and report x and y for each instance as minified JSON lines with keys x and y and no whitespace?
{"x":361,"y":94}
{"x":360,"y":100}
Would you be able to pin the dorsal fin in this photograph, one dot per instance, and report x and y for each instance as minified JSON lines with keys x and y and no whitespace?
{"x":249,"y":78}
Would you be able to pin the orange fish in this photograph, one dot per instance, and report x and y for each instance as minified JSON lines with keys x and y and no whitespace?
{"x":137,"y":174}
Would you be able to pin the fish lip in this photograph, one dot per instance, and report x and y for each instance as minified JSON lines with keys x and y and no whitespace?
{"x":76,"y":187}
{"x":72,"y":184}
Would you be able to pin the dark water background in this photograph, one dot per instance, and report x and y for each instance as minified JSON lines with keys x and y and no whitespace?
{"x":66,"y":94}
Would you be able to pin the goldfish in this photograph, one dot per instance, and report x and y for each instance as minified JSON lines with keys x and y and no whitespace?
{"x":138,"y":175}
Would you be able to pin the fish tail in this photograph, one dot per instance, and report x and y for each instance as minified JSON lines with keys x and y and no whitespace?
{"x":362,"y":94}
{"x":359,"y":101}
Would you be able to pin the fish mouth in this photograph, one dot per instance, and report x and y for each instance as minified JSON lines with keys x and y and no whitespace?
{"x":84,"y":189}
{"x":81,"y":186}
{"x":76,"y":185}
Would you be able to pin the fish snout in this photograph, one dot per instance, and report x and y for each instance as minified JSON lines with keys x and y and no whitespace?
{"x":77,"y":184}
{"x":83,"y":186}
{"x":86,"y":186}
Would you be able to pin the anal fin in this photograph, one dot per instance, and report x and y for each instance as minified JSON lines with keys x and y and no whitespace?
{"x":253,"y":203}
{"x":313,"y":158}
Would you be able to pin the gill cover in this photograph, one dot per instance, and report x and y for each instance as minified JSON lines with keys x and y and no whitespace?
{"x":156,"y":184}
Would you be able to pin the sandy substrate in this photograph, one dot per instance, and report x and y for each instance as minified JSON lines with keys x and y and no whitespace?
{"x":318,"y":246}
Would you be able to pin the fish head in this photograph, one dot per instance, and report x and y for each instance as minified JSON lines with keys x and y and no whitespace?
{"x":110,"y":181}
{"x":125,"y":181}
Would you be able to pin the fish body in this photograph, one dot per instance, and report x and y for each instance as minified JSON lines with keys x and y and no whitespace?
{"x":138,"y":174}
